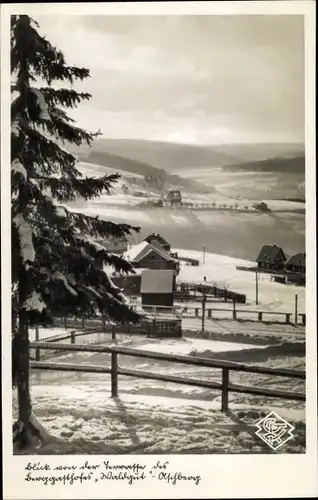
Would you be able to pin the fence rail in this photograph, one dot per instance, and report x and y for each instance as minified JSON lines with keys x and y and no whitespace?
{"x":99,"y":331}
{"x":226,"y":366}
{"x":181,"y":311}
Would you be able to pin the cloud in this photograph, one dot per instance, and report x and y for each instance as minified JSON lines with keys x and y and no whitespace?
{"x":233,"y":74}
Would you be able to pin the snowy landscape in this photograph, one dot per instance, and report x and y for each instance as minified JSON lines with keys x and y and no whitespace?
{"x":81,"y":417}
{"x":220,"y":222}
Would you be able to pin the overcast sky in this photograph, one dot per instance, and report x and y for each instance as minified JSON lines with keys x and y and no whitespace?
{"x":193,"y":79}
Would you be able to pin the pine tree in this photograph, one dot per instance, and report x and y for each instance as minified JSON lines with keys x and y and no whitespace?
{"x":56,"y":266}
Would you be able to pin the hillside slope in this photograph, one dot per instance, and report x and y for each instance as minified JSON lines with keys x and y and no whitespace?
{"x":124,"y":164}
{"x":288,"y":165}
{"x":170,"y":156}
{"x":173,"y":157}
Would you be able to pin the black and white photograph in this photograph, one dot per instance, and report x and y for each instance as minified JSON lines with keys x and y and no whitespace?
{"x":158,"y":237}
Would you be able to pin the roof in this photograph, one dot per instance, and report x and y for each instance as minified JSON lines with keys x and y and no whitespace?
{"x":299,"y":259}
{"x":157,"y":237}
{"x":157,"y":281}
{"x":134,"y":251}
{"x":269,"y":253}
{"x":138,"y":252}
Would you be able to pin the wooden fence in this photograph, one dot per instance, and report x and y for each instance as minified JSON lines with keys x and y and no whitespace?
{"x":181,"y":311}
{"x":193,"y":289}
{"x":96,"y":332}
{"x":159,"y":327}
{"x":225,"y":366}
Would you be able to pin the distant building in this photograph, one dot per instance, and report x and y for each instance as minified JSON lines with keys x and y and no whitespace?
{"x":271,"y":257}
{"x":157,"y":287}
{"x":156,"y":238}
{"x":297,"y":263}
{"x":174,"y":196}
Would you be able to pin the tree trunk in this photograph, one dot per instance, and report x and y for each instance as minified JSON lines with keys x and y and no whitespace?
{"x":21,"y":354}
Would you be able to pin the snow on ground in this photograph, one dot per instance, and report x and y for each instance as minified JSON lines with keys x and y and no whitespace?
{"x":130,"y":217}
{"x":218,"y":197}
{"x":162,"y":417}
{"x":284,"y":205}
{"x":88,"y":421}
{"x":46,"y":333}
{"x":96,"y":170}
{"x":222,"y":270}
{"x":188,"y":346}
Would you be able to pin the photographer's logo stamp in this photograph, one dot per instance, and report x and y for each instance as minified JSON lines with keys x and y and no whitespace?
{"x":274,"y":430}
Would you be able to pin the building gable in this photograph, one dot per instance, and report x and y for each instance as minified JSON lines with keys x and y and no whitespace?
{"x":270,"y":254}
{"x":157,"y":240}
{"x":299,"y":259}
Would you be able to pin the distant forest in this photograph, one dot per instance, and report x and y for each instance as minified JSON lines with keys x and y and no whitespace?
{"x":294,"y":165}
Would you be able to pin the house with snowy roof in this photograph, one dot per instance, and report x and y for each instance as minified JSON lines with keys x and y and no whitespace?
{"x":148,"y":256}
{"x":271,"y":257}
{"x":297,"y":263}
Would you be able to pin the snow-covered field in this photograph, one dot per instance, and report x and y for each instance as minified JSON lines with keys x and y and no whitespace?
{"x":221,"y":270}
{"x":162,"y":417}
{"x":158,"y":417}
{"x":218,"y":196}
{"x":249,"y":184}
{"x":235,"y":233}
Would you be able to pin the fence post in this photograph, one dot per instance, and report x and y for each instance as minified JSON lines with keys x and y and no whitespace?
{"x":65,"y":322}
{"x":296,"y":309}
{"x":103,"y":322}
{"x":83,"y":322}
{"x":260,"y":316}
{"x":209,"y":313}
{"x":288,"y":318}
{"x":113,"y":332}
{"x":303,"y":319}
{"x":234,"y":311}
{"x":114,"y":374}
{"x":72,"y":337}
{"x":196,"y":312}
{"x":225,"y":389}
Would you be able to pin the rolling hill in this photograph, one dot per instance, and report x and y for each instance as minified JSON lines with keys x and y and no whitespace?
{"x":123,"y":164}
{"x":294,"y":165}
{"x":173,"y":157}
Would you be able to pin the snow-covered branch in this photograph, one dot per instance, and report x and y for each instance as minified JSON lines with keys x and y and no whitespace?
{"x":34,"y":302}
{"x":44,"y":112}
{"x":57,"y":276}
{"x":26,"y":242}
{"x":17,"y":167}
